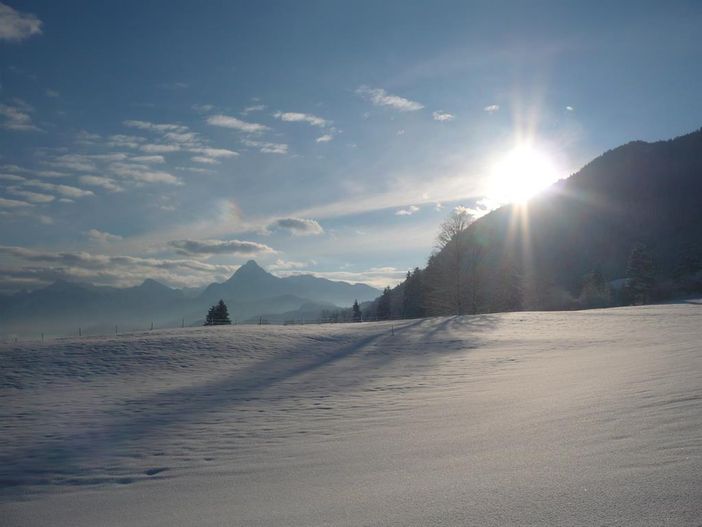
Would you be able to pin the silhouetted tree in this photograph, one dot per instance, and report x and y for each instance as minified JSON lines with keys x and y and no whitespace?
{"x":640,"y":275}
{"x":594,"y":292}
{"x":218,"y":315}
{"x":384,"y":303}
{"x":356,"y":309}
{"x":446,"y":279}
{"x":413,"y":299}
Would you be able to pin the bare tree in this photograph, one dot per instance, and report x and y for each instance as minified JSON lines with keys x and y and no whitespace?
{"x":451,"y":243}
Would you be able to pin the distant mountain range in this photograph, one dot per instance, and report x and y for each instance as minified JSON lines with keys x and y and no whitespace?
{"x":63,"y":307}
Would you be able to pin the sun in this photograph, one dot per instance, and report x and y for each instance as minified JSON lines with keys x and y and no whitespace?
{"x":520,"y":174}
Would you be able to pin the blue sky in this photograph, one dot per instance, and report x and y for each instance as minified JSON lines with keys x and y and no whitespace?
{"x":176,"y":140}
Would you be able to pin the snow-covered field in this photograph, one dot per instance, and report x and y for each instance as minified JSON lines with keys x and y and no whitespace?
{"x":579,"y":418}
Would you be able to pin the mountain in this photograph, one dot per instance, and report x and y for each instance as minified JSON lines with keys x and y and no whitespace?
{"x":539,"y":255}
{"x":251,"y":281}
{"x":63,"y":307}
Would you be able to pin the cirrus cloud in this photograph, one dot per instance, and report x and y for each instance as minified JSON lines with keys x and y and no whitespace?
{"x":211,"y":247}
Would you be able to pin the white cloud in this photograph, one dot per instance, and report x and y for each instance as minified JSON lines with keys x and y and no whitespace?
{"x":102,"y":182}
{"x":492,"y":108}
{"x":156,"y":127}
{"x":297,"y":226}
{"x":159,"y":149}
{"x":32,"y":197}
{"x":226,"y":121}
{"x":215,"y":152}
{"x":295,"y":117}
{"x":324,"y":138}
{"x":205,"y":160}
{"x":443,"y":116}
{"x":408,"y":211}
{"x":380,"y":97}
{"x":16,"y":26}
{"x":148,"y":159}
{"x":210,"y":247}
{"x":570,"y":108}
{"x":125,"y":141}
{"x":143,"y":174}
{"x":254,"y":108}
{"x":66,"y":191}
{"x":45,"y":267}
{"x":288,"y":265}
{"x":267,"y":148}
{"x":101,"y":236}
{"x":17,"y":118}
{"x":13,"y":203}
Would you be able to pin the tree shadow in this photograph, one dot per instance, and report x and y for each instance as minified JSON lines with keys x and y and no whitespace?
{"x":62,"y":461}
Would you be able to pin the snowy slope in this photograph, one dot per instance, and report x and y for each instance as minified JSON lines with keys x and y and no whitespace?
{"x":580,"y":418}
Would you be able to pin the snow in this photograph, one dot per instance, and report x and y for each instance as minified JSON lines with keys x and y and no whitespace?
{"x":539,"y":418}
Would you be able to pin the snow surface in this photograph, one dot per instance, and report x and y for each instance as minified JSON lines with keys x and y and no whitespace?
{"x":544,"y":418}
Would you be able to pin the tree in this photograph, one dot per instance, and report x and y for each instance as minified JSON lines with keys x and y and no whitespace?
{"x":447,"y":280}
{"x":384,"y":305}
{"x":640,"y":275}
{"x":218,"y":315}
{"x":413,"y":298}
{"x":594,"y":292}
{"x":357,"y":317}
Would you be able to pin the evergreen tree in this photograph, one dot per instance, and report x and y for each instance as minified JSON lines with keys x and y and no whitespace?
{"x":413,"y":299}
{"x":218,"y":315}
{"x":384,"y":305}
{"x":356,"y":311}
{"x":594,"y":292}
{"x":640,"y":275}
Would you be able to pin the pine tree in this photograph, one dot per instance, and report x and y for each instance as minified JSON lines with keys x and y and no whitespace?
{"x":384,"y":305}
{"x":356,"y":311}
{"x":640,"y":275}
{"x":218,"y":315}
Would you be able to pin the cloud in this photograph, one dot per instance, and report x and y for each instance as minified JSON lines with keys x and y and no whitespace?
{"x":570,"y":108}
{"x":215,"y":152}
{"x":254,"y":108}
{"x":159,"y":149}
{"x":148,"y":159}
{"x":125,"y":141}
{"x":267,"y":148}
{"x":101,"y":236}
{"x":297,"y":226}
{"x":443,"y":116}
{"x":13,"y":203}
{"x":210,"y":247}
{"x":288,"y":265}
{"x":16,"y":26}
{"x":380,"y":97}
{"x":66,"y":191}
{"x":294,"y":117}
{"x":492,"y":108}
{"x":206,"y":160}
{"x":378,"y":277}
{"x":32,"y":197}
{"x":17,"y":118}
{"x":156,"y":127}
{"x":226,"y":121}
{"x":408,"y":211}
{"x":102,"y":182}
{"x":39,"y":268}
{"x":143,"y":174}
{"x":324,"y":138}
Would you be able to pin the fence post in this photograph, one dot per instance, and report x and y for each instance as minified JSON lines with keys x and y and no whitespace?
{"x":80,"y":333}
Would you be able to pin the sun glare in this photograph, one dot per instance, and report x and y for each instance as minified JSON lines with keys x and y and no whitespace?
{"x":520,"y":174}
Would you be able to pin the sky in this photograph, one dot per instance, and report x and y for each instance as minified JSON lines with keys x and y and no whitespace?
{"x":177,"y":140}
